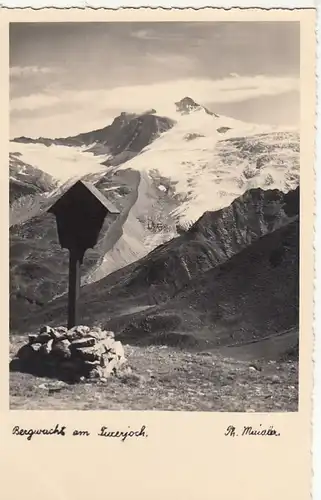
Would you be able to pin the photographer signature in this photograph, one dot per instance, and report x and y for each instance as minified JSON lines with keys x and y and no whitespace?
{"x":251,"y":431}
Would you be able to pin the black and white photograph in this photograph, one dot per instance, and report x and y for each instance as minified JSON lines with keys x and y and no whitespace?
{"x":154,"y":198}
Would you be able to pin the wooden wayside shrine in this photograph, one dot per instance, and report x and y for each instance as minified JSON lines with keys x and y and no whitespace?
{"x":80,"y":213}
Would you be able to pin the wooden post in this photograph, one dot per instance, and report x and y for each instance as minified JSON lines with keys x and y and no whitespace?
{"x":74,"y":287}
{"x":80,"y":213}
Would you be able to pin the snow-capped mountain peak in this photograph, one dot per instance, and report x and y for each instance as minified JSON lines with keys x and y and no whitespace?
{"x":206,"y":159}
{"x":187,"y":105}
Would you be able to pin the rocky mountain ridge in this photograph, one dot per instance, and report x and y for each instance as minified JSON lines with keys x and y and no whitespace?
{"x":159,"y":276}
{"x":27,"y":180}
{"x":128,"y":134}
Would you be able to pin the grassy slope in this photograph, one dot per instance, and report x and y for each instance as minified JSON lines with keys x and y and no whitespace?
{"x":168,"y":379}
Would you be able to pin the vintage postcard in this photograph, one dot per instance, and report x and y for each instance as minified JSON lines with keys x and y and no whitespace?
{"x":158,"y":183}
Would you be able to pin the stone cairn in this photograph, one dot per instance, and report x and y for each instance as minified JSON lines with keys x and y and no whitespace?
{"x":71,"y":355}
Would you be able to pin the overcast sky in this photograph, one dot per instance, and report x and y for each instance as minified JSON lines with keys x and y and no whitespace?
{"x":67,"y":78}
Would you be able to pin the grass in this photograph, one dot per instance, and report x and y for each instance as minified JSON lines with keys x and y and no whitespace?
{"x":166,"y":379}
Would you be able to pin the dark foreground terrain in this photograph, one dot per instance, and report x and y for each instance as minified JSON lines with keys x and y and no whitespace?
{"x":166,"y":379}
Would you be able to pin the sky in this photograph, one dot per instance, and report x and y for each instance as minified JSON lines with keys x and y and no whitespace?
{"x":67,"y":78}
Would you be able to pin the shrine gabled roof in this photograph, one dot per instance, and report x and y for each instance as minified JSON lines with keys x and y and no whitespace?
{"x":110,"y":207}
{"x":61,"y":202}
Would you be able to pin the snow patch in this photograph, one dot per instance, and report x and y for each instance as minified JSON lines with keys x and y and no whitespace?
{"x":61,"y":162}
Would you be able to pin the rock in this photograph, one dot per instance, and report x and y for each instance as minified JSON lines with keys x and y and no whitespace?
{"x":80,"y":329}
{"x":71,"y":355}
{"x":65,"y":342}
{"x":108,"y":344}
{"x":25,"y":352}
{"x":96,"y":373}
{"x":46,"y":348}
{"x":44,"y":337}
{"x":91,"y":364}
{"x":53,"y":389}
{"x":15,"y":365}
{"x":98,"y":334}
{"x":46,"y":329}
{"x":43,"y":386}
{"x":118,"y":349}
{"x":61,"y":329}
{"x":223,"y":130}
{"x":104,"y":360}
{"x":255,"y":367}
{"x":29,"y":358}
{"x":71,"y":336}
{"x":36,"y":347}
{"x":61,"y":349}
{"x":85,"y":342}
{"x":111,"y":366}
{"x":89,"y":353}
{"x":75,"y":334}
{"x":99,"y":349}
{"x":32,"y":338}
{"x":110,"y":358}
{"x":58,"y":334}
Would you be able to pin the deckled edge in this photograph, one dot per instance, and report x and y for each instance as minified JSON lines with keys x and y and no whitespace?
{"x":316,"y":345}
{"x":159,"y":7}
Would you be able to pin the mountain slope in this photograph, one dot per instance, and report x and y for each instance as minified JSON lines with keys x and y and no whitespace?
{"x":209,"y":169}
{"x":27,"y":180}
{"x":29,"y":188}
{"x":253,"y":295}
{"x":214,"y":239}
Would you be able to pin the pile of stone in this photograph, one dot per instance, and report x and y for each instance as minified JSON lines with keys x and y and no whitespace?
{"x":71,"y":355}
